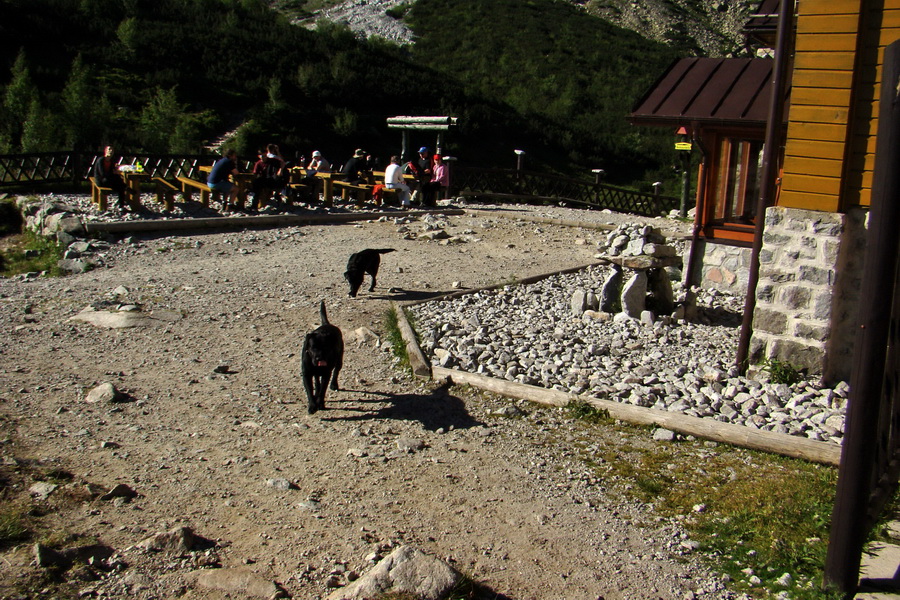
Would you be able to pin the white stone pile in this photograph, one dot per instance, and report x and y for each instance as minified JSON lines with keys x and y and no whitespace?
{"x":528,"y":334}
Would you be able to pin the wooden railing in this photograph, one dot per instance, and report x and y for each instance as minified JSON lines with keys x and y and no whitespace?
{"x":527,"y":185}
{"x":43,"y":167}
{"x":27,"y":170}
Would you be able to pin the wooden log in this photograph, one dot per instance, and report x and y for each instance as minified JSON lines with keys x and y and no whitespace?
{"x":495,"y":286}
{"x":738,"y":435}
{"x":420,"y":365}
{"x":258,"y":221}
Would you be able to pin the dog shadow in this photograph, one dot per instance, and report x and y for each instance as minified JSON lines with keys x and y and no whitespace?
{"x":401,"y":295}
{"x":437,"y":410}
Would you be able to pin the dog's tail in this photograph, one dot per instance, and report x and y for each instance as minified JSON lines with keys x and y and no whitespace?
{"x":322,"y":314}
{"x":384,"y":250}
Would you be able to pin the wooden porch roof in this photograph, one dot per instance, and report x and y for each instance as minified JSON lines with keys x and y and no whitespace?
{"x":709,"y":91}
{"x":764,"y":20}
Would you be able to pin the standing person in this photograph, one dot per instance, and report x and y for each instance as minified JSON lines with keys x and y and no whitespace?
{"x":355,"y":170}
{"x":440,"y":180}
{"x":218,"y":179}
{"x":393,"y":179}
{"x":106,"y":172}
{"x":421,"y":167}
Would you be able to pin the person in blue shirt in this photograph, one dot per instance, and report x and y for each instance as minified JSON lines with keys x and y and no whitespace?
{"x":218,"y":179}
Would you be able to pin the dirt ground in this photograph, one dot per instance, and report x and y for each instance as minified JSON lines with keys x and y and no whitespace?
{"x":212,"y":426}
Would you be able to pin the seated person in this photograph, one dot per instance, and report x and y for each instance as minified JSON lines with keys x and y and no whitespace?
{"x":355,"y":171}
{"x":218,"y":179}
{"x":318,"y":164}
{"x":393,"y":179}
{"x":106,"y":172}
{"x":269,"y":173}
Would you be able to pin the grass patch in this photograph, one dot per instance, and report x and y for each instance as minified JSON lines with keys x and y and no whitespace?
{"x":29,"y":252}
{"x":584,"y":411}
{"x":398,"y":345}
{"x":771,"y":519}
{"x":746,"y":509}
{"x":13,"y":526}
{"x":781,"y":371}
{"x":399,"y":11}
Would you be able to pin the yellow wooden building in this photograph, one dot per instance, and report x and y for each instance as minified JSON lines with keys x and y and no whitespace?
{"x":813,"y":239}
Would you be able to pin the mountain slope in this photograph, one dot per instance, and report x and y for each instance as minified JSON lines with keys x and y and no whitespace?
{"x":700,"y":27}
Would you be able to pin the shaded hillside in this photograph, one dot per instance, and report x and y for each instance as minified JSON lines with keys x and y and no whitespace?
{"x":168,"y":75}
{"x":573,"y":76}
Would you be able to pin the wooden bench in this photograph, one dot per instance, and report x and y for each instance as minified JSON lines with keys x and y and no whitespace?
{"x":165,"y":193}
{"x":188,"y":185}
{"x":362,"y":190}
{"x":99,"y":194}
{"x":296,"y":188}
{"x":389,"y":193}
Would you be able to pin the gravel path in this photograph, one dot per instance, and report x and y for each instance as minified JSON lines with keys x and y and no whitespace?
{"x":212,"y":422}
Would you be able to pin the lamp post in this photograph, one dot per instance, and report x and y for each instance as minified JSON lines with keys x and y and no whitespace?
{"x":520,"y":154}
{"x":598,"y":175}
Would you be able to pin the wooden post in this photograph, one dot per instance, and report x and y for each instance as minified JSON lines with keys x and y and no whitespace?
{"x":857,"y":476}
{"x":774,"y":141}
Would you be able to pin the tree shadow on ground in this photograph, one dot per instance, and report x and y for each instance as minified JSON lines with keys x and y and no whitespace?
{"x":437,"y":410}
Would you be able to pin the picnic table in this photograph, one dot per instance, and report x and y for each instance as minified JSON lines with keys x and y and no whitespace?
{"x":133,"y":180}
{"x":328,"y":180}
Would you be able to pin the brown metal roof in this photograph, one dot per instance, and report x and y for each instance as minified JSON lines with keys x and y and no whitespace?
{"x":722,"y":91}
{"x":764,"y":19}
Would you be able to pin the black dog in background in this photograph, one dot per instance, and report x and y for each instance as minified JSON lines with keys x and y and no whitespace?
{"x":323,"y":357}
{"x":364,"y":261}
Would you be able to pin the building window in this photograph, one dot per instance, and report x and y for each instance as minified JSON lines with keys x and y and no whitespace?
{"x":737,"y":184}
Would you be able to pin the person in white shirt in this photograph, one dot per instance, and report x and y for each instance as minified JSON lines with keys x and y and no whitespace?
{"x":393,"y":179}
{"x":319,"y":164}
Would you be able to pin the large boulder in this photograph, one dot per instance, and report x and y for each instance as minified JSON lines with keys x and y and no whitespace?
{"x":406,"y":570}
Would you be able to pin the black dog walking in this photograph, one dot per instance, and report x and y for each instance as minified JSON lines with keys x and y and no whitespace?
{"x":323,"y":357}
{"x":364,"y":261}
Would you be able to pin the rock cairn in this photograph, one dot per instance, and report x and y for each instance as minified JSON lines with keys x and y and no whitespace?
{"x":637,"y":240}
{"x":643,"y":267}
{"x":532,"y":334}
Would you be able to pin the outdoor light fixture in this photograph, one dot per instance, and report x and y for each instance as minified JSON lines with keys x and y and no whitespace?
{"x":520,"y":154}
{"x":598,"y":175}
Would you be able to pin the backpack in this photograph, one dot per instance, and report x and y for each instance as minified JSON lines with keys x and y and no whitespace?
{"x":273,"y":166}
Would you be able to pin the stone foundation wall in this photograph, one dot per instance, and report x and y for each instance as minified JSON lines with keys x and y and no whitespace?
{"x":721,"y":267}
{"x":808,"y":290}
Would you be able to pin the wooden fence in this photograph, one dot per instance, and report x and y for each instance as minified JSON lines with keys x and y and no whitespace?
{"x":528,"y":185}
{"x":28,"y":170}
